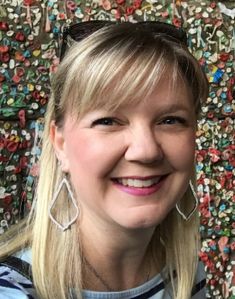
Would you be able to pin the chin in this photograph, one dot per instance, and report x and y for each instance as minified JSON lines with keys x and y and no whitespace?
{"x":140,"y":223}
{"x":141,"y":216}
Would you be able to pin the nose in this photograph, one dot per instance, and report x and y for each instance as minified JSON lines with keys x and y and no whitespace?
{"x":143,"y":146}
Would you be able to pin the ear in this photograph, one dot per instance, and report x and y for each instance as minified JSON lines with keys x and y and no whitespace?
{"x":58,"y":142}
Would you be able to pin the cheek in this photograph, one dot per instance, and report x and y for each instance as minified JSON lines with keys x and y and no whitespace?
{"x":92,"y":154}
{"x":181,"y":150}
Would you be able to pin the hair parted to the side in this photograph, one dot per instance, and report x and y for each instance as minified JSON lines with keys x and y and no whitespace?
{"x":118,"y":64}
{"x":115,"y":65}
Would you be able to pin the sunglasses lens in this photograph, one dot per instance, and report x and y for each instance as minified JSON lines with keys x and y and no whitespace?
{"x":82,"y":30}
{"x":166,"y":30}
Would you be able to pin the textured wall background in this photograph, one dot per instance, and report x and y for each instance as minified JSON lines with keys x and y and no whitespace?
{"x":30,"y":33}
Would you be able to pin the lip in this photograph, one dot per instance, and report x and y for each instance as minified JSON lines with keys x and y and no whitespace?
{"x":139,"y":177}
{"x":137,"y":191}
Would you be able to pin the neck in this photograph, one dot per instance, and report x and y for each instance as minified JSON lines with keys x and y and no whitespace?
{"x":117,"y":259}
{"x":101,"y":275}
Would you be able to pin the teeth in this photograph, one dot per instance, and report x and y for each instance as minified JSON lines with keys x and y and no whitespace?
{"x":138,"y":183}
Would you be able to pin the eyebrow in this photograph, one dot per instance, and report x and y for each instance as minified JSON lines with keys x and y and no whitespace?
{"x":168,"y":108}
{"x":175,"y":107}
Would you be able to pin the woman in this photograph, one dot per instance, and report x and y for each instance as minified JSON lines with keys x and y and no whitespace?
{"x":115,"y":210}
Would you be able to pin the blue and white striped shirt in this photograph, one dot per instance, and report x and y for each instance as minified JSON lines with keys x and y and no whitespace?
{"x":14,"y":285}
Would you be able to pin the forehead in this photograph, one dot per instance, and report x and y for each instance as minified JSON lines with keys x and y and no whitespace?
{"x":166,"y":97}
{"x":166,"y":89}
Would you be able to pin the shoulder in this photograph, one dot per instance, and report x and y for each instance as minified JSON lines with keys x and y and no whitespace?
{"x":15,"y":280}
{"x":199,"y":290}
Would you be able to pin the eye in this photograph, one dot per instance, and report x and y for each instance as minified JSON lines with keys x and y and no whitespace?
{"x":105,"y":121}
{"x":173,"y":120}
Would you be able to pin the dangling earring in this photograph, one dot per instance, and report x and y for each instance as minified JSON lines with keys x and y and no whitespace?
{"x":66,"y":183}
{"x":187,"y":217}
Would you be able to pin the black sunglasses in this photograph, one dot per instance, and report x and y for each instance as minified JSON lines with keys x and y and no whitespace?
{"x":79,"y":31}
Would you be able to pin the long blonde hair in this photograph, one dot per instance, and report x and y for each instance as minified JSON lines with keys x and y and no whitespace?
{"x":112,"y":66}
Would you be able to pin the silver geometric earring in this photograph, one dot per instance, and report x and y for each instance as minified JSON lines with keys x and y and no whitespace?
{"x":64,"y":226}
{"x":187,"y":217}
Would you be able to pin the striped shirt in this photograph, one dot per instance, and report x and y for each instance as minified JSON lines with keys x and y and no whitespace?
{"x":15,"y":285}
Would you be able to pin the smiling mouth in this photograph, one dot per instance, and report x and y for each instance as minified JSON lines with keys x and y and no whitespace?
{"x":139,"y":183}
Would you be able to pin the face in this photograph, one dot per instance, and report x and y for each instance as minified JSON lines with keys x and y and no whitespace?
{"x":129,"y":168}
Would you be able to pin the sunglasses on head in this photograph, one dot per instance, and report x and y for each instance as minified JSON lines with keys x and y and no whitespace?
{"x":79,"y":31}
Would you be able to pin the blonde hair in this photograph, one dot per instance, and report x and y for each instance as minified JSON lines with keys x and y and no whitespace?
{"x":116,"y":64}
